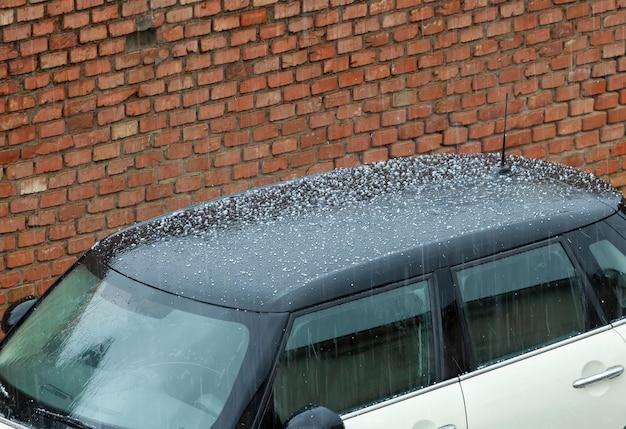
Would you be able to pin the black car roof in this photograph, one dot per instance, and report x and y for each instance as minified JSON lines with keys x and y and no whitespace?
{"x":302,"y":242}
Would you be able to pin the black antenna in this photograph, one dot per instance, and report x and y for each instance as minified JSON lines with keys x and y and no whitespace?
{"x":503,"y":168}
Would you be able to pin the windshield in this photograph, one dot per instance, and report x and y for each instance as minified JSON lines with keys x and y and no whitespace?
{"x":111,"y":352}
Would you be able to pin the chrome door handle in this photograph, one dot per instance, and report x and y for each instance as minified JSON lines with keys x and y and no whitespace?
{"x":612,"y":372}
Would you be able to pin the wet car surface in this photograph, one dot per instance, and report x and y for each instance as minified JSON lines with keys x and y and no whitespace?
{"x":403,"y":293}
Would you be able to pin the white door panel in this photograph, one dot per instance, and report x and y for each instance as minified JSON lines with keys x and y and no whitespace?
{"x":537,"y":392}
{"x":431,"y":410}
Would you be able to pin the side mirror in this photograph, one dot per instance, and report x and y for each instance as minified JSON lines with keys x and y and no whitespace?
{"x":315,"y":418}
{"x":15,"y":313}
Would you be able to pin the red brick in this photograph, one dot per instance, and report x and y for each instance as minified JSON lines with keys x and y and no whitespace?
{"x":58,"y":232}
{"x":20,"y":102}
{"x":314,"y":5}
{"x":612,"y":83}
{"x":52,"y":198}
{"x":330,"y":151}
{"x":104,"y":14}
{"x":601,"y":6}
{"x":23,"y":65}
{"x":77,"y":157}
{"x":33,"y":46}
{"x":351,"y":78}
{"x":12,"y":224}
{"x":113,"y":98}
{"x":51,"y":129}
{"x":86,"y":4}
{"x":405,"y":148}
{"x":614,"y":50}
{"x":31,"y":237}
{"x":613,"y":132}
{"x":24,"y":204}
{"x":93,"y":68}
{"x":367,"y":123}
{"x":62,"y":179}
{"x":114,"y":184}
{"x":224,"y":23}
{"x":210,"y":111}
{"x":80,"y":244}
{"x":253,"y":17}
{"x":206,"y":8}
{"x":13,"y":33}
{"x":80,"y":88}
{"x":286,"y":9}
{"x":617,"y":115}
{"x":284,"y":146}
{"x":20,"y":258}
{"x":59,"y":7}
{"x":384,"y":137}
{"x":87,"y":174}
{"x":36,"y":81}
{"x":274,"y":164}
{"x":281,"y":112}
{"x":10,"y":279}
{"x":19,"y":170}
{"x":167,"y":102}
{"x":227,"y":158}
{"x":593,"y":121}
{"x":375,"y":155}
{"x":134,"y":7}
{"x":93,"y":33}
{"x":569,"y":126}
{"x":121,"y":28}
{"x":179,"y":15}
{"x":36,"y":272}
{"x":141,"y":74}
{"x":308,"y":72}
{"x":130,"y":198}
{"x":52,"y":163}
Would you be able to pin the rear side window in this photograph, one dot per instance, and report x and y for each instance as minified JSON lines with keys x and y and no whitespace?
{"x":602,"y":251}
{"x":520,"y":302}
{"x":357,"y":353}
{"x":610,"y":279}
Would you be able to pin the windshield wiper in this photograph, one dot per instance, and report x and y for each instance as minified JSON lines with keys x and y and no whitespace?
{"x":67,"y":420}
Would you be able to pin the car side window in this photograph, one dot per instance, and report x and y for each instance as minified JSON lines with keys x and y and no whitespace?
{"x":357,"y":353}
{"x":602,"y":252}
{"x":521,"y":302}
{"x":610,"y":280}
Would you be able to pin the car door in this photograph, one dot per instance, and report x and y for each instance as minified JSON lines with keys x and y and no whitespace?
{"x":373,"y":359}
{"x":536,"y":361}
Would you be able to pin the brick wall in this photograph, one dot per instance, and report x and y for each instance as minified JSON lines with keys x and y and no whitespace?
{"x":113,"y":111}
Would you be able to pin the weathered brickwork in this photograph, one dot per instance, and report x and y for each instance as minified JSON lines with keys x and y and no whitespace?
{"x":115,"y":111}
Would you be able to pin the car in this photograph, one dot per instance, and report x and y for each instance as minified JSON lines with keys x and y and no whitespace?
{"x":438,"y":291}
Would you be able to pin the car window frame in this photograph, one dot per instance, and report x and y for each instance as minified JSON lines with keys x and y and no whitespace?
{"x":589,"y":307}
{"x":621,"y":231}
{"x":438,"y":341}
{"x":589,"y":264}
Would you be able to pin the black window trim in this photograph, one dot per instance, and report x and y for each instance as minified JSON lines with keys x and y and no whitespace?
{"x":584,"y":287}
{"x":454,"y":346}
{"x":438,"y":342}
